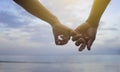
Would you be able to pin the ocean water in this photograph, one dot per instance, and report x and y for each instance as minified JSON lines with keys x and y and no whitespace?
{"x":81,"y":63}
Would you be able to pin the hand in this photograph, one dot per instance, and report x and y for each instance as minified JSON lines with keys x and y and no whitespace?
{"x":85,"y":37}
{"x":61,"y":34}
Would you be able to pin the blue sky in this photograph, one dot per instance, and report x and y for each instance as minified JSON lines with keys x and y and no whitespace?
{"x":23,"y":34}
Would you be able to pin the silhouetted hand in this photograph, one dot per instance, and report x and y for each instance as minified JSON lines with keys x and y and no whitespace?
{"x":85,"y":36}
{"x":61,"y":34}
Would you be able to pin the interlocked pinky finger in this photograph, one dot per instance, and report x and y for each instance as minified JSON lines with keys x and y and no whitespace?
{"x":78,"y":42}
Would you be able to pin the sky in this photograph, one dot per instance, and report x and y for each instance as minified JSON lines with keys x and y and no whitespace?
{"x":23,"y":34}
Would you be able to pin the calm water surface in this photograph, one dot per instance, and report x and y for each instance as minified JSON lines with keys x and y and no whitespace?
{"x":84,"y":63}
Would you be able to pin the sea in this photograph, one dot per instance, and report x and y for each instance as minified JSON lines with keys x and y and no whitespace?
{"x":65,"y":63}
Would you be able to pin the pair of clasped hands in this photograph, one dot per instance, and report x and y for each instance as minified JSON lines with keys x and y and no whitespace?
{"x":83,"y":36}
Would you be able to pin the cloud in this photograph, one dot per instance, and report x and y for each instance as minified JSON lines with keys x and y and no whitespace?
{"x":71,"y":13}
{"x":9,"y":19}
{"x":13,"y":15}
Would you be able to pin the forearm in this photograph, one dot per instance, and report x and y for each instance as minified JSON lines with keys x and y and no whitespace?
{"x":97,"y":10}
{"x":37,"y":9}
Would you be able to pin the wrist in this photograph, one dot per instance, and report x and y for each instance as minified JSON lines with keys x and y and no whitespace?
{"x":94,"y":24}
{"x":54,"y":22}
